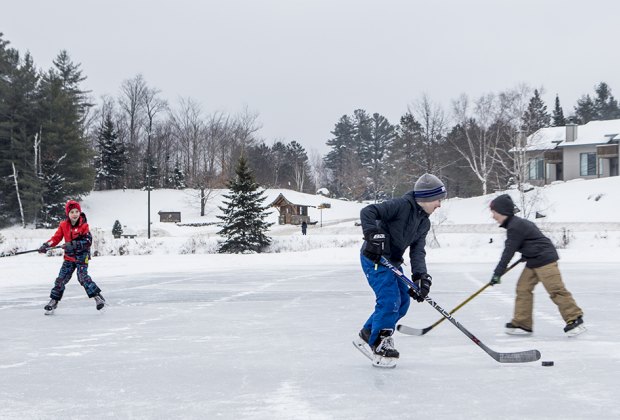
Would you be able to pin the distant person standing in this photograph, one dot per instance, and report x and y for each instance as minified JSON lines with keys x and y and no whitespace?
{"x":389,"y":229}
{"x":304,"y":227}
{"x":541,"y":266}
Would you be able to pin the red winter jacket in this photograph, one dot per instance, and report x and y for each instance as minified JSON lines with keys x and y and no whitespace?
{"x":78,"y":234}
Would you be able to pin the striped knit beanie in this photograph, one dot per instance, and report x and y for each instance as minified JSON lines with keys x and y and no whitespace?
{"x":429,"y":188}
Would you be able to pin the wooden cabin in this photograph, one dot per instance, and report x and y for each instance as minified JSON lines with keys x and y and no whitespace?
{"x":290,"y":213}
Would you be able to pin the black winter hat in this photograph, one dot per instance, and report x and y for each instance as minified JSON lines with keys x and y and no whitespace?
{"x":504,"y":205}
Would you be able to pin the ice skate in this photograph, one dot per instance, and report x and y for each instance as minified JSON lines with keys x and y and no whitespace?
{"x":574,"y":327}
{"x":51,"y":307}
{"x":100,"y":301}
{"x":512,"y":329}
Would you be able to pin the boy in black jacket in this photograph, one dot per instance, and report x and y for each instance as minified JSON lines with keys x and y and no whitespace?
{"x":541,"y":265}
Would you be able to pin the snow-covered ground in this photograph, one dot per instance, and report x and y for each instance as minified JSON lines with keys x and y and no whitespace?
{"x":268,"y":336}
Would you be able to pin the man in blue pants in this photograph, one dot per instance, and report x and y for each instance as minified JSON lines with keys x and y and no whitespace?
{"x":389,"y":229}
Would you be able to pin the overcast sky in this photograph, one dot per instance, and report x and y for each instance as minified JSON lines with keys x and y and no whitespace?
{"x":301,"y":64}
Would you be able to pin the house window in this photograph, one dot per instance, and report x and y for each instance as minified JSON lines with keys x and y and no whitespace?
{"x":587,"y":164}
{"x":536,"y":169}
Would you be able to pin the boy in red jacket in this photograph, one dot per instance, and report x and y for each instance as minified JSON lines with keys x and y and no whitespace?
{"x":74,"y":230}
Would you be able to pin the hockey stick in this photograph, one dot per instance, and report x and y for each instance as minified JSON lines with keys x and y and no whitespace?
{"x":513,"y":357}
{"x":404,"y":329}
{"x":12,"y":254}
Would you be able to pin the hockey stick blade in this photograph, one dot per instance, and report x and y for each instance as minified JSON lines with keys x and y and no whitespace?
{"x":404,"y":329}
{"x":516,"y":357}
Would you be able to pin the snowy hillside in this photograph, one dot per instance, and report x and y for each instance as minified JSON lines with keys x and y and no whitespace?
{"x":577,"y":213}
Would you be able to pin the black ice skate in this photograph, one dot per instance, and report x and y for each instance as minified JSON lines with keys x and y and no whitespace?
{"x":515,"y":330}
{"x":100,"y":301}
{"x":574,"y":327}
{"x":384,"y":346}
{"x":50,"y":307}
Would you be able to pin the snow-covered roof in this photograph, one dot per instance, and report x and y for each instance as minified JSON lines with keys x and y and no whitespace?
{"x":545,"y":138}
{"x":594,"y":132}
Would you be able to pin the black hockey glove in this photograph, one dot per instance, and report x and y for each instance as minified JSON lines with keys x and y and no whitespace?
{"x":495,"y":280}
{"x":43,"y":248}
{"x":375,"y":241}
{"x":70,"y":247}
{"x":424,"y":282}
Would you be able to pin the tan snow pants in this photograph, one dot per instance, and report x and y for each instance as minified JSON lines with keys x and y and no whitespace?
{"x":549,"y":275}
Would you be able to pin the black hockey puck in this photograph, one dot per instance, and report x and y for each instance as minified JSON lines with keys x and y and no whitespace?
{"x":549,"y":363}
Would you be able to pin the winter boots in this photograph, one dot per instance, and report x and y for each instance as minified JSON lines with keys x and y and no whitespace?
{"x":100,"y":301}
{"x":516,"y":330}
{"x":574,"y":327}
{"x":50,"y":307}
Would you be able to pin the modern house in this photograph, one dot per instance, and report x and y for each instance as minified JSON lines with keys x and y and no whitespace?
{"x":574,"y":151}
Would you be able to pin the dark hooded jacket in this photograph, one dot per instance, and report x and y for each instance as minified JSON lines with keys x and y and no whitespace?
{"x":524,"y":236}
{"x":405,"y":223}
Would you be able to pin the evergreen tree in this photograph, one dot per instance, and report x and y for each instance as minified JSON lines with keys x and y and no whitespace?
{"x":342,"y":156}
{"x":298,"y":160}
{"x":63,"y":107}
{"x":536,"y":115}
{"x":585,"y":111}
{"x":403,"y":161}
{"x":54,"y":194}
{"x":558,"y":114}
{"x":243,"y":225}
{"x":374,"y":149}
{"x":117,"y":229}
{"x":178,"y":178}
{"x":18,"y":129}
{"x":260,"y":159}
{"x":605,"y":105}
{"x":110,"y":162}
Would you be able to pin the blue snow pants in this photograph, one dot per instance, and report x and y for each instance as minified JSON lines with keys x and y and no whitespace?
{"x":392,"y":299}
{"x":66,"y":271}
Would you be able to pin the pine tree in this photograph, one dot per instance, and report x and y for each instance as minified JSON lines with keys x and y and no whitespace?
{"x":558,"y":114}
{"x":54,"y":194}
{"x":178,"y":178}
{"x":605,"y":105}
{"x":64,"y":148}
{"x":374,"y":149}
{"x":403,"y":161}
{"x":585,"y":111}
{"x":117,"y":229}
{"x":110,"y":162}
{"x":536,"y":116}
{"x":18,"y":128}
{"x":243,"y":225}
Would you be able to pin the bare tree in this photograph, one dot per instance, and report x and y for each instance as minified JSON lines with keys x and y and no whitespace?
{"x":480,"y":130}
{"x":187,"y":128}
{"x":433,"y":122}
{"x":132,"y":121}
{"x":19,"y":199}
{"x":318,"y":171}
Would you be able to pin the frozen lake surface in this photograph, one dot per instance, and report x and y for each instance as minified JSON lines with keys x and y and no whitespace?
{"x":263,"y":337}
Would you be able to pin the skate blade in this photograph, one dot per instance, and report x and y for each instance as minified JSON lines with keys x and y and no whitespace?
{"x":384,"y":362}
{"x":576,"y":331}
{"x":517,"y":331}
{"x":377,"y":361}
{"x":49,"y":312}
